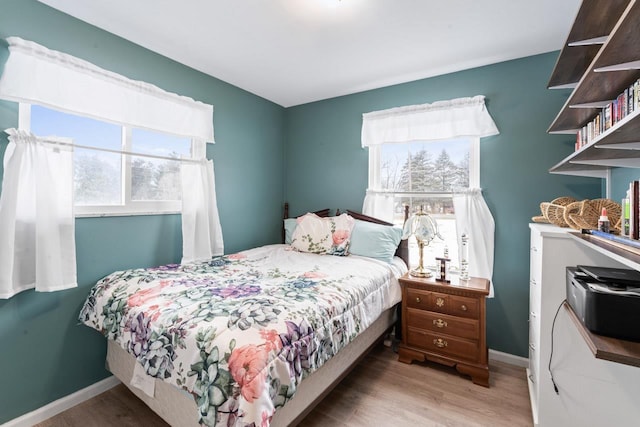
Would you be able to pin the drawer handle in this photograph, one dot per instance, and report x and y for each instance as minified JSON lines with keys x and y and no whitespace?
{"x":440,"y":343}
{"x":531,"y":379}
{"x":532,"y":347}
{"x":440,"y":302}
{"x":464,"y":307}
{"x":418,"y":299}
{"x":534,"y":249}
{"x":533,"y":282}
{"x":440,"y":323}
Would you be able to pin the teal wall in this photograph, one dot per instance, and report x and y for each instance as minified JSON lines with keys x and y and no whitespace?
{"x":44,"y":353}
{"x":326,"y":166}
{"x":309,"y":153}
{"x":620,"y":179}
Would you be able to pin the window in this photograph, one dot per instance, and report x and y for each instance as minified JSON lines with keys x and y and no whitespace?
{"x":426,"y":173}
{"x":112,"y":183}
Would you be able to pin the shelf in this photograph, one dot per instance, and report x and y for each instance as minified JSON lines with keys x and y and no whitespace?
{"x":617,"y":147}
{"x":621,"y":48}
{"x":596,"y":19}
{"x":625,"y":257}
{"x":607,"y":348}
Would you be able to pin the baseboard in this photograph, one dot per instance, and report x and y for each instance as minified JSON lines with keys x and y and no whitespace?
{"x":511,"y":359}
{"x":62,"y":404}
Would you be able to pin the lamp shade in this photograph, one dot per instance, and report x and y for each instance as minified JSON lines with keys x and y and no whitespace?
{"x":422,"y":226}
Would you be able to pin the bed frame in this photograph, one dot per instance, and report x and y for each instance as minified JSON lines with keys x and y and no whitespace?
{"x":178,"y":408}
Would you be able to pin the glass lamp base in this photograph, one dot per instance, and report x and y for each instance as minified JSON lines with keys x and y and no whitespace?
{"x":420,"y":273}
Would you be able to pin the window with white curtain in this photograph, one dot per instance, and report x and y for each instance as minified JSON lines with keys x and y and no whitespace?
{"x":111,"y":183}
{"x":426,"y":173}
{"x":110,"y":127}
{"x":441,"y":141}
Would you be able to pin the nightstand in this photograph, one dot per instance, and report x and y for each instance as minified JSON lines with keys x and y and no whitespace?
{"x":446,"y":323}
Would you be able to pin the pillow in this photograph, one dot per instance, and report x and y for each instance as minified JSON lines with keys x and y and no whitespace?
{"x":375,"y":240}
{"x":289,"y":227}
{"x":331,"y":236}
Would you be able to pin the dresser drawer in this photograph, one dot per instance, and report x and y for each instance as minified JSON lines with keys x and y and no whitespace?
{"x":443,"y":323}
{"x":443,"y":303}
{"x":443,"y":344}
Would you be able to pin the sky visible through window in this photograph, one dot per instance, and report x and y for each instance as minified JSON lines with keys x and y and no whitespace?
{"x":98,"y":175}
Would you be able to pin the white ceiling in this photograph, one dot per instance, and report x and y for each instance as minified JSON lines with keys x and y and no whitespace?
{"x":297,"y":51}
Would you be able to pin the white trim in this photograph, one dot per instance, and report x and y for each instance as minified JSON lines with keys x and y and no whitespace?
{"x":62,"y":404}
{"x":508,"y":358}
{"x":474,"y":162}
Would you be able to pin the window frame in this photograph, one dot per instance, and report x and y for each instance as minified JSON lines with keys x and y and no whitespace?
{"x":128,"y":207}
{"x":375,"y":159}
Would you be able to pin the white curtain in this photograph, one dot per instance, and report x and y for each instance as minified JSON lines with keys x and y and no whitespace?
{"x":428,"y":122}
{"x":379,"y":205}
{"x":474,"y":218}
{"x":201,"y":230}
{"x":37,"y":225}
{"x":35,"y":74}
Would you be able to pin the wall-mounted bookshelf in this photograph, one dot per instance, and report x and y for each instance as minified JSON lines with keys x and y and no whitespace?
{"x":614,"y":67}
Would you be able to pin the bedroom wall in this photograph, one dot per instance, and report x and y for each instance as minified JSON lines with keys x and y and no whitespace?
{"x":44,"y":353}
{"x":326,"y":166}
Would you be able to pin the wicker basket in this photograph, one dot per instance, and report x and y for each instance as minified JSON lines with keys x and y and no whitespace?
{"x":553,"y":211}
{"x":585,"y":214}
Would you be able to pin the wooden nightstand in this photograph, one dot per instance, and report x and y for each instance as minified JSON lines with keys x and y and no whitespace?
{"x":445,"y":323}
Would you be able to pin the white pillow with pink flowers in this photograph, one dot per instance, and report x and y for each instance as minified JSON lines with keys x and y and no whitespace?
{"x":331,"y":236}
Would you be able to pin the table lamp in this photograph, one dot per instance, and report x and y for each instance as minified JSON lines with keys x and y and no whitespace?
{"x":424,"y":228}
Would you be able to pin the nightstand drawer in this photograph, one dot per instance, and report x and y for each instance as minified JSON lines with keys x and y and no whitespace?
{"x":443,"y":303}
{"x":443,"y":323}
{"x":445,"y":345}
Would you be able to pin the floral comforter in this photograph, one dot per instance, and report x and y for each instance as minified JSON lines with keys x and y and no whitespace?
{"x":241,"y":331}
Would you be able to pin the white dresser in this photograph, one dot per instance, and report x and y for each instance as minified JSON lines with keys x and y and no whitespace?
{"x":592,"y":392}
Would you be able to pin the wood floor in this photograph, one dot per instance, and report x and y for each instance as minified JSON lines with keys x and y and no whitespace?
{"x":380,"y":391}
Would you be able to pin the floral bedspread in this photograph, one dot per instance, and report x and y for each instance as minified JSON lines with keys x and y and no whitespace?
{"x":241,"y":331}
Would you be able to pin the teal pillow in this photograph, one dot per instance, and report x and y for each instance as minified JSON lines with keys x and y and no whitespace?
{"x":289,"y":227}
{"x":375,"y":240}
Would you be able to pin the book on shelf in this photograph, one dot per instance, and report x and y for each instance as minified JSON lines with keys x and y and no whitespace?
{"x":634,"y":203}
{"x":624,"y":222}
{"x":624,"y":104}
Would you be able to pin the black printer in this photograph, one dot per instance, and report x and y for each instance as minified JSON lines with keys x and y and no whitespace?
{"x":606,"y":300}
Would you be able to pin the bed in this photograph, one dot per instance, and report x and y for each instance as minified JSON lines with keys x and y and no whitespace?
{"x":253,"y":338}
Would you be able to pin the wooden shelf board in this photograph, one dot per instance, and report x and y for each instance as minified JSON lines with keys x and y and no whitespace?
{"x":620,"y":48}
{"x":595,"y":19}
{"x":594,"y":171}
{"x":589,"y":42}
{"x":571,"y":65}
{"x":606,"y":150}
{"x":632,"y":65}
{"x":607,"y":348}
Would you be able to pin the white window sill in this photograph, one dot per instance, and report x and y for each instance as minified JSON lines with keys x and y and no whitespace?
{"x":100,"y":215}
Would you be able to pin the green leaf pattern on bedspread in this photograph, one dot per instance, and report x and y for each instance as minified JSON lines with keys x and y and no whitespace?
{"x":236,"y":332}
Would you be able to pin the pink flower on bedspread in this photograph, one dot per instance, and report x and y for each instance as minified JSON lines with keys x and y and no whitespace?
{"x":246,"y":365}
{"x":314,"y":275}
{"x":339,"y":236}
{"x":272,"y":339}
{"x":237,"y":256}
{"x":266,"y":419}
{"x":145,"y":295}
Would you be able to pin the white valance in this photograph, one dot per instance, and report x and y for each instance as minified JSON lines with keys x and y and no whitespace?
{"x":35,"y":74}
{"x":462,"y":117}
